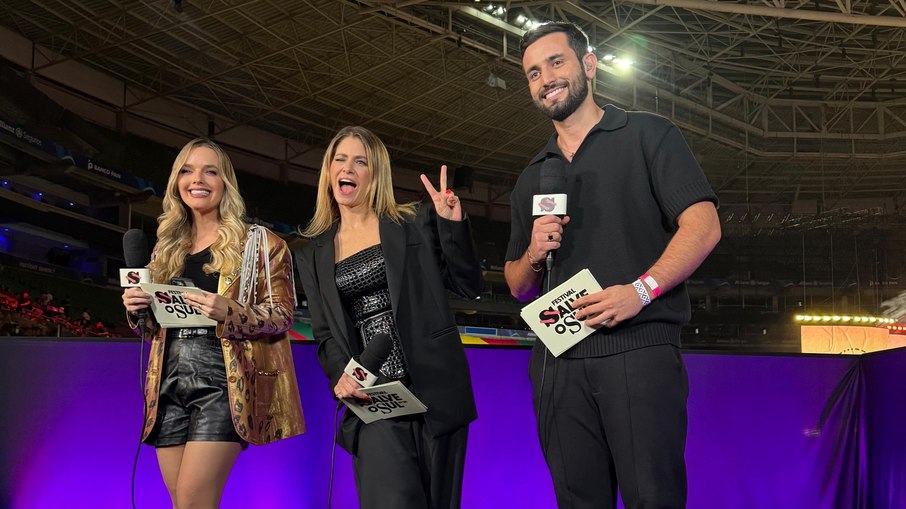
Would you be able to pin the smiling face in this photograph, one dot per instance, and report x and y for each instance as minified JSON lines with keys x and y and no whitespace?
{"x":200,"y":181}
{"x":556,"y":79}
{"x":350,"y":173}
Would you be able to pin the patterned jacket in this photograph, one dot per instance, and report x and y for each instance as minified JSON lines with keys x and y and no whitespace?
{"x":264,"y":393}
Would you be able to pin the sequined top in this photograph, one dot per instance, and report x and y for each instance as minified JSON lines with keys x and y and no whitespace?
{"x":362,"y":283}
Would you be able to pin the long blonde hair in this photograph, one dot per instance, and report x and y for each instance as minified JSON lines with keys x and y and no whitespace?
{"x":380,"y":191}
{"x":174,"y":230}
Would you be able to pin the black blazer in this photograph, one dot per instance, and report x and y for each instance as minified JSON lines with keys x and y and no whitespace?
{"x":425,"y":256}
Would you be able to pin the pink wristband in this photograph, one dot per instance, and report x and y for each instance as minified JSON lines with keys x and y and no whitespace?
{"x":655,"y":289}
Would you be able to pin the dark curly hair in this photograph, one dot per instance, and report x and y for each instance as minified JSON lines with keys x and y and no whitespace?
{"x":578,"y":41}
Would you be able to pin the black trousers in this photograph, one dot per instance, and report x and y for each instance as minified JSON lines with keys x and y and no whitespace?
{"x":398,"y":465}
{"x":611,"y":421}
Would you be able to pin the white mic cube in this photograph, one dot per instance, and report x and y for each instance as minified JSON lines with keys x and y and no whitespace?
{"x":134,"y":277}
{"x":549,"y":204}
{"x":360,"y":373}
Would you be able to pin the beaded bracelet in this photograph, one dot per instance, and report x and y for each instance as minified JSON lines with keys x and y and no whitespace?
{"x":643,"y":293}
{"x":532,"y":263}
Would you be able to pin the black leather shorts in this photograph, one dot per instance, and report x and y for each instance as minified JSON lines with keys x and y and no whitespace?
{"x":194,"y":403}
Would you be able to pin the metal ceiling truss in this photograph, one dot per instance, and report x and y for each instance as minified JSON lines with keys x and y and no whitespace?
{"x":783,"y":102}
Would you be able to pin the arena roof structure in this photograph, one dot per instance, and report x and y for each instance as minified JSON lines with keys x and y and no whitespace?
{"x":795,"y":109}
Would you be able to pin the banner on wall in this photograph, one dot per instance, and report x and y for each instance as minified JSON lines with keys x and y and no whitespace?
{"x":842,"y":339}
{"x":62,"y":153}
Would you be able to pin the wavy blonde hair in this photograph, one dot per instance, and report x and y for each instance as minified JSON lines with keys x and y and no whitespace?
{"x":380,"y":191}
{"x":174,"y":230}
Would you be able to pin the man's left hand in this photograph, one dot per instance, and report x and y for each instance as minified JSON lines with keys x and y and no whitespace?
{"x":608,"y":307}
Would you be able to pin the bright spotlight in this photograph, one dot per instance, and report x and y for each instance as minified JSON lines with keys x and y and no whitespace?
{"x":623,"y":63}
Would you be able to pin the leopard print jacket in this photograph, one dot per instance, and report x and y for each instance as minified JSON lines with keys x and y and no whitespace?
{"x":261,"y":377}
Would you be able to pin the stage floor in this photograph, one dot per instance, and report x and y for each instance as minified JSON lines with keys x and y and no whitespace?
{"x":765,"y":431}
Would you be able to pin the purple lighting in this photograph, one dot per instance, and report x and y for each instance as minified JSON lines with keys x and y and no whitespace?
{"x":765,"y":431}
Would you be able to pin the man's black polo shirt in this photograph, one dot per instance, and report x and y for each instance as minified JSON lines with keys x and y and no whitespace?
{"x":627,"y":183}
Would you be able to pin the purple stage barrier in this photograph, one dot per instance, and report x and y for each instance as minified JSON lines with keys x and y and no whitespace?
{"x":885,"y":382}
{"x":765,"y":431}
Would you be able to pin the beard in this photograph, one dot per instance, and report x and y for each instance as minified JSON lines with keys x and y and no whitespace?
{"x":577,"y":91}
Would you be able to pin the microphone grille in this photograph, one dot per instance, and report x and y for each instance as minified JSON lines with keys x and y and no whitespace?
{"x":376,"y":352}
{"x":135,"y":248}
{"x":553,"y":176}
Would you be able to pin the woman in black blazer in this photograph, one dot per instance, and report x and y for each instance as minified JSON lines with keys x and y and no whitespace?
{"x":377,"y":266}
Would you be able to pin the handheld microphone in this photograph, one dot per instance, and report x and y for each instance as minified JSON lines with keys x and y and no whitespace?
{"x":136,"y":254}
{"x":367,"y":367}
{"x":366,"y":371}
{"x":552,"y":199}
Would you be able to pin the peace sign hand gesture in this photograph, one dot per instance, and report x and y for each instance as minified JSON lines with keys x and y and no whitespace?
{"x":445,"y":201}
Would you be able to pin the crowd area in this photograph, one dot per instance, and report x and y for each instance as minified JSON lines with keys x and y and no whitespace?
{"x":27,"y":313}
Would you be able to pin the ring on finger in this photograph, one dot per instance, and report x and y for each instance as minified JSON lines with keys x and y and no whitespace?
{"x":550,"y":237}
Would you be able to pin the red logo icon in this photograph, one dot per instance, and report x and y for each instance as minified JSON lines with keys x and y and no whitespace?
{"x":133,"y":277}
{"x":547,"y":204}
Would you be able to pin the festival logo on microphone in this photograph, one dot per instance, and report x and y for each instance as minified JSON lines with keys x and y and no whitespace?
{"x":547,"y":204}
{"x":360,"y":374}
{"x":134,"y":277}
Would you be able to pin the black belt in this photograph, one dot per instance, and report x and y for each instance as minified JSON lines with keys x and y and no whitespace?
{"x":190,"y":332}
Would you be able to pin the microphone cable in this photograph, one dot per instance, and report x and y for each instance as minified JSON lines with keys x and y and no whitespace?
{"x":141,"y":383}
{"x":333,"y":452}
{"x":549,"y":262}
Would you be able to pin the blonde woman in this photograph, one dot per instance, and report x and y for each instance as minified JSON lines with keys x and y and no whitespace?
{"x":376,"y":266}
{"x":211,"y":391}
